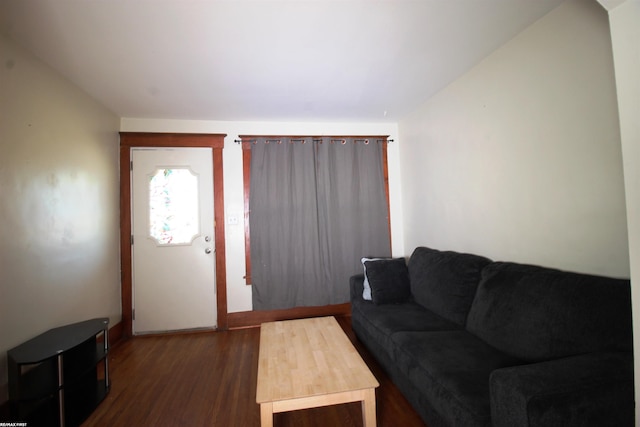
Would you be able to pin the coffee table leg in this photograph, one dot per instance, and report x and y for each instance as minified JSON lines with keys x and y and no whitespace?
{"x":266,"y":414}
{"x":369,"y":408}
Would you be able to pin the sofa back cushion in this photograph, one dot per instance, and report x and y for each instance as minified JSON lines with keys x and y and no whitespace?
{"x":445,"y":282}
{"x":536,"y":313}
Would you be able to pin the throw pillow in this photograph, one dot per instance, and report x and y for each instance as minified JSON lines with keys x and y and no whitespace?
{"x":366,"y":293}
{"x":388,"y":280}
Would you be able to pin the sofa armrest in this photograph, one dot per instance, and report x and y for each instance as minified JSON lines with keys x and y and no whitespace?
{"x":356,"y":284}
{"x":587,"y":390}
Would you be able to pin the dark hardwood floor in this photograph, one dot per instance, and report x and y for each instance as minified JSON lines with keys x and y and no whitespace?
{"x":209,"y":379}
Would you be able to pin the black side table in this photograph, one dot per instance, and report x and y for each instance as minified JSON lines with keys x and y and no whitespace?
{"x":60,"y":376}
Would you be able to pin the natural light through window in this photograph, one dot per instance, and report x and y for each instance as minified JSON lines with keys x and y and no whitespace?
{"x":173,"y":206}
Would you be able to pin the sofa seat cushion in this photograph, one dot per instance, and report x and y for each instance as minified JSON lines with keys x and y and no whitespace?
{"x":445,"y":281}
{"x":538,"y":313}
{"x":452,"y":369}
{"x":408,"y":316}
{"x":380,"y":321}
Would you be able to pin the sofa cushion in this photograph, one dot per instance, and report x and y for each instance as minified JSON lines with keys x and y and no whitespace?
{"x":388,"y":280}
{"x":390,"y":318}
{"x":445,"y":281}
{"x":451,"y":368}
{"x":537,"y":313}
{"x":379,"y":322}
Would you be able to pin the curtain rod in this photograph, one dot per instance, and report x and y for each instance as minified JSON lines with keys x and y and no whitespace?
{"x":238,"y":141}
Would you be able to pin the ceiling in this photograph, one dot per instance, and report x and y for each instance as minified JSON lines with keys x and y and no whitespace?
{"x":242,"y":60}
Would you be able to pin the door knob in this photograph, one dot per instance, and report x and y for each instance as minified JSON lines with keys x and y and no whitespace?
{"x":207,"y":251}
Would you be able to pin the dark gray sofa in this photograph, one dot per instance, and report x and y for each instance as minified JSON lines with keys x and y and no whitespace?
{"x":471,"y":342}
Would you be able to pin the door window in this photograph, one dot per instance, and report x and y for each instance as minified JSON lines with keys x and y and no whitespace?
{"x":173,"y":206}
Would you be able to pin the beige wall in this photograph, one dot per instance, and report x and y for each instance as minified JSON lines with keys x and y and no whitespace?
{"x":59,"y":204}
{"x":238,"y":293}
{"x":520,"y":159}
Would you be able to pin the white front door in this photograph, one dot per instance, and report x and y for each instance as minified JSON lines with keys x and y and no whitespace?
{"x":173,"y":252}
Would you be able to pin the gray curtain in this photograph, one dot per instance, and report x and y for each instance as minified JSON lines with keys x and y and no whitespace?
{"x":317,"y":206}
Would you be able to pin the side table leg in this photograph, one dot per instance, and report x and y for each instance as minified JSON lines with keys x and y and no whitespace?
{"x":369,"y":408}
{"x":266,"y":414}
{"x":61,"y":389}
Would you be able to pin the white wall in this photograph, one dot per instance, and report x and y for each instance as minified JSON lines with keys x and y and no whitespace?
{"x":520,"y":158}
{"x":238,"y":293}
{"x":625,"y":36}
{"x":59,"y":204}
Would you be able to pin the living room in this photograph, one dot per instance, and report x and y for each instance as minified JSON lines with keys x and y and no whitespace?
{"x":530,"y":156}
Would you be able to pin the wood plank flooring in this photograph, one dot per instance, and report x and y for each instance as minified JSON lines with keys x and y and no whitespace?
{"x":209,"y":379}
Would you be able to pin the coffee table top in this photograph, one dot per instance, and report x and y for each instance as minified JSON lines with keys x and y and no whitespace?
{"x":308,"y":357}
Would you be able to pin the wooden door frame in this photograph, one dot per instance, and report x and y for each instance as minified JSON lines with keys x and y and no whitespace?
{"x":129,"y":140}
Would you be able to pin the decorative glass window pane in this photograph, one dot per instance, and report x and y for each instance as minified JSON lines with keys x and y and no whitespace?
{"x":173,"y":206}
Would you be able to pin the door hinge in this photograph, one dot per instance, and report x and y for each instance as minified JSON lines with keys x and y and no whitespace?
{"x":131,"y":165}
{"x":132,"y":240}
{"x":133,"y":315}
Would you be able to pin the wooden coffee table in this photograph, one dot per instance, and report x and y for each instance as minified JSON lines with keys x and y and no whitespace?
{"x":308,"y":363}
